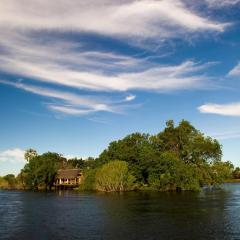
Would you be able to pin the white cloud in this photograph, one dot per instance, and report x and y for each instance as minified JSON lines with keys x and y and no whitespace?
{"x":130,"y":98}
{"x":12,"y":155}
{"x":67,"y":63}
{"x":72,"y":104}
{"x":145,"y":19}
{"x":232,"y":109}
{"x":235,"y":71}
{"x":30,"y":49}
{"x":71,"y":110}
{"x":227,"y":135}
{"x":45,"y":58}
{"x":98,"y":71}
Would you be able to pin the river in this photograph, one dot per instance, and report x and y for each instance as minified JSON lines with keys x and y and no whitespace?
{"x":210,"y":214}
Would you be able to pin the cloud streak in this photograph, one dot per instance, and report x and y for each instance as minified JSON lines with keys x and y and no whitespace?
{"x":29,"y":49}
{"x":145,"y":19}
{"x":63,"y":63}
{"x":235,"y":71}
{"x":70,"y":103}
{"x":227,"y":135}
{"x":231,"y":109}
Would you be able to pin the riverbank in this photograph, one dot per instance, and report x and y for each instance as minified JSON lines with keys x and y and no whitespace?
{"x":232,"y":181}
{"x":81,"y":188}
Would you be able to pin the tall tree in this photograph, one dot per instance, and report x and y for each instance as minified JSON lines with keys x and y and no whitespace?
{"x":30,"y":154}
{"x":41,"y":170}
{"x":187,"y":143}
{"x":135,"y":149}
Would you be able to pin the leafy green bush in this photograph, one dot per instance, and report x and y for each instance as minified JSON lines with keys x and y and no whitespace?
{"x":114,"y":176}
{"x":236,"y":173}
{"x":9,"y":182}
{"x":170,"y":174}
{"x":88,"y":182}
{"x":221,"y":171}
{"x":3,"y":183}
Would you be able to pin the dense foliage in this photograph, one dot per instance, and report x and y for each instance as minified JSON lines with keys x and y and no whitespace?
{"x":114,"y":176}
{"x":236,"y":173}
{"x":8,"y":182}
{"x":40,"y":171}
{"x":178,"y":158}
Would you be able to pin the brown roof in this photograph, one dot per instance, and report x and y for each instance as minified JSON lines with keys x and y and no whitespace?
{"x":68,"y":173}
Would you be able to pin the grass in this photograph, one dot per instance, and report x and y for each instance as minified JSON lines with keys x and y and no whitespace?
{"x":232,"y":181}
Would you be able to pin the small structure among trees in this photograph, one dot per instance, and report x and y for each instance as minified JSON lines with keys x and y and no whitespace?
{"x":68,"y":177}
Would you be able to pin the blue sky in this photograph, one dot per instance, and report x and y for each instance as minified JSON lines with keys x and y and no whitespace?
{"x":75,"y":75}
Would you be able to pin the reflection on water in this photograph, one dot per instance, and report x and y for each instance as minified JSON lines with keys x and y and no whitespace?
{"x":135,"y":215}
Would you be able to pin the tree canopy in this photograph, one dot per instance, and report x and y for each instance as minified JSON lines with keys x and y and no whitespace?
{"x":178,"y":157}
{"x":41,"y":170}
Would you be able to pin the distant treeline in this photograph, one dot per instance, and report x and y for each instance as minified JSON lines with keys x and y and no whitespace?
{"x":178,"y":158}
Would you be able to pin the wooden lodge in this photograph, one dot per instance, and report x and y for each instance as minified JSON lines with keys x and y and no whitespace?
{"x":68,"y":178}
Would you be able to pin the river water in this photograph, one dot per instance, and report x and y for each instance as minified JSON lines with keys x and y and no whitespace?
{"x":210,"y":214}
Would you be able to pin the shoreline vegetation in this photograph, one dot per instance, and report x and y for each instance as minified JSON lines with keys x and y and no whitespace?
{"x":179,"y":158}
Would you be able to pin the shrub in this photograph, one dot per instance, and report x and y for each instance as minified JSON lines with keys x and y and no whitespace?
{"x":114,"y":176}
{"x":170,"y":174}
{"x":3,"y":183}
{"x":88,"y":182}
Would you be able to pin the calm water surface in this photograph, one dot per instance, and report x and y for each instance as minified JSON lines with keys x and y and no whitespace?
{"x":69,"y":215}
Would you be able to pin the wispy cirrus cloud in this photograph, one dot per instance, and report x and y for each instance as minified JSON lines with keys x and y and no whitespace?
{"x":226,"y":109}
{"x":227,"y":135}
{"x":235,"y":71}
{"x":231,"y":109}
{"x":65,"y":63}
{"x":28,"y":52}
{"x":70,"y":103}
{"x":68,"y":63}
{"x":146,"y":19}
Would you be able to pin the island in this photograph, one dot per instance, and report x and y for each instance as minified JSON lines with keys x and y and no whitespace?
{"x":179,"y":158}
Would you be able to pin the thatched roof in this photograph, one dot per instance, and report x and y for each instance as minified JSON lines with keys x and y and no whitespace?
{"x":68,"y":173}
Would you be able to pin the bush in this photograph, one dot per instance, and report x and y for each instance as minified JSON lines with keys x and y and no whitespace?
{"x":9,"y":182}
{"x":221,"y":171}
{"x":88,"y":182}
{"x":170,"y":174}
{"x":3,"y":183}
{"x":236,"y":173}
{"x":114,"y":176}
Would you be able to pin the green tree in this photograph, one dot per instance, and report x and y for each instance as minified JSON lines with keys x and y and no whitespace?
{"x":136,"y":150}
{"x":221,"y":171}
{"x":114,"y":176}
{"x":3,"y":183}
{"x":88,"y":182}
{"x":76,"y":163}
{"x":30,"y":154}
{"x":187,"y":143}
{"x":41,"y":170}
{"x":170,"y":173}
{"x":9,"y":182}
{"x":236,"y":173}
